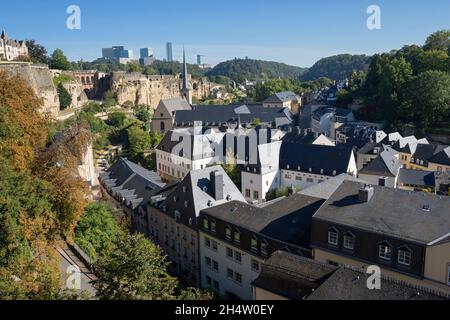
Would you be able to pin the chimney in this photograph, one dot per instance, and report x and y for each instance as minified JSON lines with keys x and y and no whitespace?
{"x":366,"y":193}
{"x":216,"y":182}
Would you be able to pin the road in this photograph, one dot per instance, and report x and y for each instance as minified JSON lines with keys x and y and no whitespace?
{"x":68,"y":259}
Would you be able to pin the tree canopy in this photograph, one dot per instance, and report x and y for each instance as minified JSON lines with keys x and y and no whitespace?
{"x":59,"y":61}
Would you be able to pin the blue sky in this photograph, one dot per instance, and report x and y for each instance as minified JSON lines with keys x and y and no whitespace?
{"x":296,"y":32}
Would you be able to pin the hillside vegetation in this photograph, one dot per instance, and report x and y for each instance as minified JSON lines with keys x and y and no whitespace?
{"x":337,"y":67}
{"x":242,"y":69}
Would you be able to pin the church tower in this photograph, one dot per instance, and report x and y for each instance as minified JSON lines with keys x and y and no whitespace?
{"x":186,"y":90}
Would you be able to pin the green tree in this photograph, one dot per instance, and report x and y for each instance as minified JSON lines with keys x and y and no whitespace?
{"x":143,"y":114}
{"x":426,"y":99}
{"x":139,"y":141}
{"x":97,"y":229}
{"x":434,"y":60}
{"x":440,"y":40}
{"x":256,"y":122}
{"x":65,"y":99}
{"x":37,"y":52}
{"x":109,"y":103}
{"x":117,"y":119}
{"x":134,"y":269}
{"x":59,"y":61}
{"x":134,"y":67}
{"x":155,"y":139}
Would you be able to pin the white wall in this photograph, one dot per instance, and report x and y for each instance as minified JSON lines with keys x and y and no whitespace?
{"x":243,"y":290}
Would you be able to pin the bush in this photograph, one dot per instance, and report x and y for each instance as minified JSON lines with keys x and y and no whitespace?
{"x":65,"y":99}
{"x":97,"y":229}
{"x":117,"y":119}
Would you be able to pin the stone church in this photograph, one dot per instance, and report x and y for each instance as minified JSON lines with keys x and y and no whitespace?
{"x":10,"y":49}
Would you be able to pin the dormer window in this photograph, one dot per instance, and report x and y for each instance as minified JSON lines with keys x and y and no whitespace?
{"x":349,"y":241}
{"x":254,"y":244}
{"x":228,"y":233}
{"x":237,"y":236}
{"x":404,"y":256}
{"x":264,"y":248}
{"x":333,"y":237}
{"x":385,"y":251}
{"x":205,"y":223}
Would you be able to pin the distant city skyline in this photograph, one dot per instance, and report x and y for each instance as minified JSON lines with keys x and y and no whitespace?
{"x":294,"y":32}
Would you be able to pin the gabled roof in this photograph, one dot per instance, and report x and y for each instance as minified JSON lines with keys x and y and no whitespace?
{"x":325,"y":190}
{"x":299,"y":278}
{"x":287,"y":220}
{"x":176,"y":104}
{"x":303,"y":157}
{"x":131,"y":182}
{"x":386,"y":164}
{"x":408,"y":215}
{"x":442,"y":157}
{"x":416,"y":177}
{"x":281,"y":97}
{"x":222,"y":114}
{"x":194,"y":194}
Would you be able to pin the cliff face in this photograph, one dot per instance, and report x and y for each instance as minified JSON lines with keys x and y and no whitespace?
{"x":40,"y":79}
{"x":79,"y":97}
{"x":149,"y":90}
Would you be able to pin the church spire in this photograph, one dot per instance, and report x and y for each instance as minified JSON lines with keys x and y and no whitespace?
{"x":186,"y":90}
{"x":185,"y":73}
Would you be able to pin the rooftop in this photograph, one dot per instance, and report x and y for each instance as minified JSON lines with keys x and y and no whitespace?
{"x":412,"y":216}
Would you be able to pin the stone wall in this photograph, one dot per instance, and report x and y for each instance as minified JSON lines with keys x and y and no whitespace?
{"x":150,"y":90}
{"x":79,"y":97}
{"x":41,"y":80}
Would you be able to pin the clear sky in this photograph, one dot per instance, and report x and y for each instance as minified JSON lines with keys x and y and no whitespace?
{"x":296,"y":32}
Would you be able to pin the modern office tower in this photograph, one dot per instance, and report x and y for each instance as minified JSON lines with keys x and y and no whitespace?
{"x":146,"y":52}
{"x":169,"y":52}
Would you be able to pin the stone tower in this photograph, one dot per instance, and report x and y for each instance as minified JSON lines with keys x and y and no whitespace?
{"x":186,"y":90}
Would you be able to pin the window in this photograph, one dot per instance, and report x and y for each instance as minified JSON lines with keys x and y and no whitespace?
{"x":207,"y":243}
{"x":264,"y":247}
{"x":333,"y":237}
{"x":255,"y":265}
{"x":230,"y":274}
{"x":228,"y":233}
{"x":230,"y":253}
{"x":238,"y":278}
{"x":205,"y":223}
{"x":310,"y":180}
{"x":255,"y":195}
{"x":385,"y":251}
{"x":404,"y":257}
{"x":238,"y":257}
{"x":215,"y":246}
{"x":213,"y":226}
{"x":208,"y":262}
{"x":215,"y":266}
{"x":254,"y":244}
{"x":248,"y":193}
{"x":349,"y":241}
{"x":298,"y":178}
{"x":216,"y":285}
{"x":208,"y":281}
{"x":237,"y":236}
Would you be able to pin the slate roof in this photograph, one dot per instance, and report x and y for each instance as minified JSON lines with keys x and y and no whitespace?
{"x":222,"y":114}
{"x":416,"y":177}
{"x":339,"y":112}
{"x":194,"y":194}
{"x":325,"y":190}
{"x":288,"y":220}
{"x":433,"y":153}
{"x":131,"y":182}
{"x":176,"y":104}
{"x":386,"y":164}
{"x":418,"y":217}
{"x":332,"y":160}
{"x":299,"y":278}
{"x":282,"y":97}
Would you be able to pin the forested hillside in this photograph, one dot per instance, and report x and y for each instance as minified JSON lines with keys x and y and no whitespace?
{"x":337,"y":67}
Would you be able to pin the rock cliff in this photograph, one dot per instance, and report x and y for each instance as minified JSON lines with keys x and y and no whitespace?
{"x":40,"y":79}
